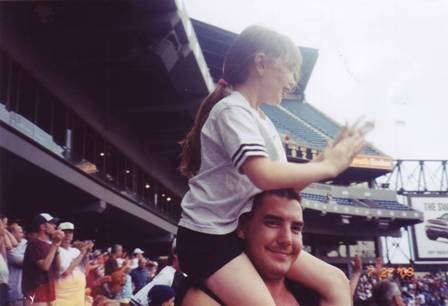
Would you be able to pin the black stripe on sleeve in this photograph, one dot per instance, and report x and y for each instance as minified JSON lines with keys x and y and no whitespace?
{"x":243,"y":153}
{"x":244,"y":145}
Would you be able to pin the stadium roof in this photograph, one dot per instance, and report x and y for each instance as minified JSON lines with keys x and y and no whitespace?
{"x":132,"y":69}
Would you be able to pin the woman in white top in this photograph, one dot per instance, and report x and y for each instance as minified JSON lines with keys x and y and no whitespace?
{"x":234,"y":152}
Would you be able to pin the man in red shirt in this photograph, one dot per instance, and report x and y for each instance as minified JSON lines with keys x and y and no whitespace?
{"x":41,"y":261}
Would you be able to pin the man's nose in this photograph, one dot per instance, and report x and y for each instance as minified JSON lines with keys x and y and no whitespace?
{"x":285,"y":237}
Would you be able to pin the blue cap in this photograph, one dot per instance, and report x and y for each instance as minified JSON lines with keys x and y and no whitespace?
{"x":160,"y":294}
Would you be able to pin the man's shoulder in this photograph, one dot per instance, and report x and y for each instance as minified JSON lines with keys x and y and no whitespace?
{"x":111,"y":261}
{"x":36,"y":247}
{"x":69,"y":252}
{"x":19,"y":249}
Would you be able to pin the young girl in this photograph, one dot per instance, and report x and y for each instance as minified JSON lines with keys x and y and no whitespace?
{"x":234,"y":152}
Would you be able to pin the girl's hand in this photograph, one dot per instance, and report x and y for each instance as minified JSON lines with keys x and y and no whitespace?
{"x":347,"y":144}
{"x":340,"y":155}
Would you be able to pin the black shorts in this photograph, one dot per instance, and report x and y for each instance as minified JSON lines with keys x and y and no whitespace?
{"x":200,"y":255}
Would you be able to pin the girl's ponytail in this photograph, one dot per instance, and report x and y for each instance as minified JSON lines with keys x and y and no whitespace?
{"x":191,"y":144}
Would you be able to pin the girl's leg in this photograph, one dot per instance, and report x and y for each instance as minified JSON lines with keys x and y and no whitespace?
{"x":327,"y":280}
{"x":238,"y":283}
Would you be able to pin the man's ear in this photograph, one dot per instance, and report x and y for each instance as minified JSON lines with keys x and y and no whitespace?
{"x":260,"y":63}
{"x":397,"y":300}
{"x":242,"y":225}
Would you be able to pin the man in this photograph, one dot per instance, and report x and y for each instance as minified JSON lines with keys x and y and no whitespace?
{"x":387,"y":293}
{"x":140,"y":275}
{"x":15,"y":265}
{"x":170,"y":275}
{"x":136,"y":256}
{"x":71,"y":282}
{"x":108,"y":292}
{"x":272,"y":234}
{"x":112,"y":263}
{"x":152,"y":267}
{"x":41,"y":262}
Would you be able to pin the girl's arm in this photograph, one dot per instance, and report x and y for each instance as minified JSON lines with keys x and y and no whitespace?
{"x":267,"y":174}
{"x":336,"y":157}
{"x":328,"y":281}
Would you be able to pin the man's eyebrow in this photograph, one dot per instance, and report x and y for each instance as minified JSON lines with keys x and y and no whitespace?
{"x":273,"y":217}
{"x":278,"y":218}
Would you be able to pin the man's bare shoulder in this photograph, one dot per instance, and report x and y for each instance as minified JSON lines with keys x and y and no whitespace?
{"x":197,"y":297}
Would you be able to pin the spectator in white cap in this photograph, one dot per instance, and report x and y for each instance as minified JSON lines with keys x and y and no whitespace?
{"x":136,"y":256}
{"x":41,"y":261}
{"x":71,"y":283}
{"x":170,"y":275}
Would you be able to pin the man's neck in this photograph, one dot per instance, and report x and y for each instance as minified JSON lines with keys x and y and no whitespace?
{"x":43,"y":236}
{"x":280,"y":293}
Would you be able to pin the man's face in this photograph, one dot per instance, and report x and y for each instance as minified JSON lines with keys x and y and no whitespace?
{"x":50,"y":228}
{"x":119,"y":252}
{"x":273,"y":236}
{"x":142,"y":262}
{"x":139,"y":255}
{"x":68,"y":238}
{"x":17,"y":232}
{"x":152,"y":271}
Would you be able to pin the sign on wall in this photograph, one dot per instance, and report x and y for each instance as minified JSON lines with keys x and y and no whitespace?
{"x":430,"y":238}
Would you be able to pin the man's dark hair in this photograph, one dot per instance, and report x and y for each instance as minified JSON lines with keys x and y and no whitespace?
{"x":115,"y":248}
{"x":288,"y":193}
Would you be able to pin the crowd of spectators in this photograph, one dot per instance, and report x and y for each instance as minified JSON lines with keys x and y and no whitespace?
{"x":48,"y":267}
{"x":429,"y":289}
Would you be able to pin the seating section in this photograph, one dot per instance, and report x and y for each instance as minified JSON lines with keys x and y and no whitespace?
{"x":285,"y":122}
{"x":312,"y":116}
{"x":394,"y":205}
{"x":314,"y":197}
{"x":318,"y":120}
{"x":369,"y":203}
{"x":363,"y":203}
{"x":345,"y":201}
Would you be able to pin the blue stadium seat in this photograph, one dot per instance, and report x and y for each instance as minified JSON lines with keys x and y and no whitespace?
{"x":394,"y":205}
{"x":321,"y":122}
{"x":284,"y":121}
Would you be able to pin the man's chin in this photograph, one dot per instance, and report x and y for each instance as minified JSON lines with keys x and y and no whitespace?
{"x":281,"y":262}
{"x":277,"y":271}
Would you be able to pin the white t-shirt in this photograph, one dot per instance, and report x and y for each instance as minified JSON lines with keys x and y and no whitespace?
{"x":165,"y":277}
{"x":66,"y":256}
{"x":220,"y":193}
{"x":4,"y":273}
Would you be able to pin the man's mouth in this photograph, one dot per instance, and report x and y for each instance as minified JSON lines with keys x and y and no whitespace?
{"x":280,"y":252}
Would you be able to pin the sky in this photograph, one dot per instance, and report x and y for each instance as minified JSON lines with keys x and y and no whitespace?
{"x":383,"y":59}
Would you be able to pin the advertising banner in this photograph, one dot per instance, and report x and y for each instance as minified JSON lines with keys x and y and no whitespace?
{"x":430,"y":238}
